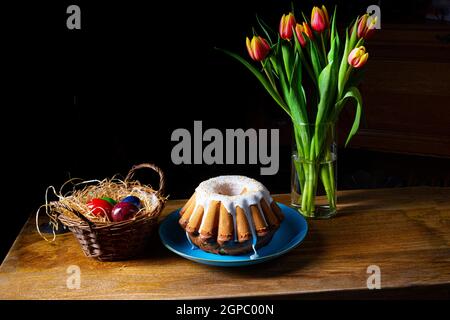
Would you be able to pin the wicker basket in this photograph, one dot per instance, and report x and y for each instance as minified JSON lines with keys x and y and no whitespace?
{"x":117,"y":240}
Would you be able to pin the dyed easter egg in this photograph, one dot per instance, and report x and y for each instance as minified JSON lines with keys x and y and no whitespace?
{"x":134,"y":200}
{"x":112,"y":201}
{"x":99,"y":207}
{"x":123,"y":211}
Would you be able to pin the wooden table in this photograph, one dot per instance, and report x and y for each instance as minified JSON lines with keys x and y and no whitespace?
{"x":405,"y":232}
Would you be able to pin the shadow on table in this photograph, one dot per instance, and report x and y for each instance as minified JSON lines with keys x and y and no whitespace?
{"x":155,"y":250}
{"x":293,"y":261}
{"x":366,"y":201}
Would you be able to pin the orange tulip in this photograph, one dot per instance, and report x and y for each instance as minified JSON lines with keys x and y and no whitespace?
{"x":307,"y":30}
{"x":286,"y":24}
{"x":299,"y":33}
{"x":366,"y":26}
{"x":358,"y":57}
{"x":319,"y":19}
{"x":258,"y":48}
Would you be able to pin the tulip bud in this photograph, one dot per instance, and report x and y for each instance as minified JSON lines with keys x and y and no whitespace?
{"x":319,"y":19}
{"x":366,"y":26}
{"x":371,"y":25}
{"x":307,"y":30}
{"x":325,"y":13}
{"x":286,"y":24}
{"x":358,"y":57}
{"x":299,"y":32}
{"x":362,"y":26}
{"x":257,"y":48}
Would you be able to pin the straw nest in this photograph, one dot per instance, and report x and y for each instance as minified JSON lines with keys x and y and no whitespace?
{"x":72,"y":210}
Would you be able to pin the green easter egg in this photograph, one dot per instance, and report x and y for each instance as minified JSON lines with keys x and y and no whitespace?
{"x":111,"y":201}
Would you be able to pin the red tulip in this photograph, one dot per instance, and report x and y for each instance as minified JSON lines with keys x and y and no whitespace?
{"x":299,"y":33}
{"x":358,"y":57}
{"x":319,"y":19}
{"x":286,"y":24}
{"x":366,"y":26}
{"x":258,"y":48}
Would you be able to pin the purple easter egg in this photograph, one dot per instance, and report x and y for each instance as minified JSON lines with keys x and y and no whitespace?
{"x":123,"y":211}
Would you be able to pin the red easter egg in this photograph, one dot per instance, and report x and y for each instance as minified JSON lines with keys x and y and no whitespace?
{"x":100,"y":207}
{"x":123,"y":211}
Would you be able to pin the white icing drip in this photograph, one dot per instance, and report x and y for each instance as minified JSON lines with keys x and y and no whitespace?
{"x":205,"y":213}
{"x":255,"y":255}
{"x":193,"y":246}
{"x":227,"y":190}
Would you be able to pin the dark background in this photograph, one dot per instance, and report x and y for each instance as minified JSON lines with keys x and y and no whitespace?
{"x":90,"y":103}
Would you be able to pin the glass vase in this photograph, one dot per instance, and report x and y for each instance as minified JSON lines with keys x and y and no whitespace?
{"x":313,"y":173}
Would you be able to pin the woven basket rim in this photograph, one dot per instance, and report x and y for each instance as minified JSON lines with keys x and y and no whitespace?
{"x":77,"y":222}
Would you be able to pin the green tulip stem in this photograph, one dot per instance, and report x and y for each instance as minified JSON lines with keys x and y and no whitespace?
{"x":346,"y":77}
{"x":268,"y":73}
{"x":315,"y":165}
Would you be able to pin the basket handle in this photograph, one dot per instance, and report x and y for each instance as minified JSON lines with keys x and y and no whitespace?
{"x":162,"y":178}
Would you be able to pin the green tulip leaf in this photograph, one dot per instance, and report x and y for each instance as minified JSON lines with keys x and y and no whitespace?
{"x":315,"y":59}
{"x":266,"y":29}
{"x":327,"y":91}
{"x":274,"y":64}
{"x":334,"y":32}
{"x":353,"y":93}
{"x":350,"y":44}
{"x":297,"y":102}
{"x":344,"y":65}
{"x":305,"y":18}
{"x":266,"y":84}
{"x":284,"y":83}
{"x":287,"y":60}
{"x":353,"y":37}
{"x":296,"y":72}
{"x":334,"y":38}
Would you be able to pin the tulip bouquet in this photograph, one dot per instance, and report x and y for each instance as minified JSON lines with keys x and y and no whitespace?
{"x":311,"y":72}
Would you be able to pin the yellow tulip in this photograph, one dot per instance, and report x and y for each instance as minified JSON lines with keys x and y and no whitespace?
{"x":358,"y":57}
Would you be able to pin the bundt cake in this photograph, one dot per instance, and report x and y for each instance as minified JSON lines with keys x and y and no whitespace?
{"x":230,"y":215}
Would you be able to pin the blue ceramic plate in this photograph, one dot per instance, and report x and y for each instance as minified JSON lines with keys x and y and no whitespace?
{"x":292,"y":231}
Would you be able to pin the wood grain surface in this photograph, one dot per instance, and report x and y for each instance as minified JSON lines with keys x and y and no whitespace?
{"x":406,"y":232}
